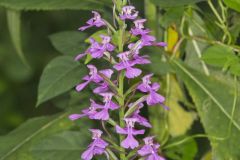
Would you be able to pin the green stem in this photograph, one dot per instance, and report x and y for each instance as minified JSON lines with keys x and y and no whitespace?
{"x":121,"y":111}
{"x":235,"y":99}
{"x":121,"y":99}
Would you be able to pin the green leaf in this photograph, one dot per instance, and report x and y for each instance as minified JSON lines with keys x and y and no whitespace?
{"x":234,"y":4}
{"x":218,"y":55}
{"x":15,"y":145}
{"x":235,"y":68}
{"x":14,"y":26}
{"x":214,"y":101}
{"x":68,"y":42}
{"x":53,"y":4}
{"x":96,"y":36}
{"x":180,"y":121}
{"x":60,"y":75}
{"x":174,"y":3}
{"x":68,"y":144}
{"x":185,"y":151}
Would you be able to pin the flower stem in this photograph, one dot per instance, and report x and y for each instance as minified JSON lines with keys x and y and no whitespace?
{"x":121,"y":112}
{"x":121,"y":99}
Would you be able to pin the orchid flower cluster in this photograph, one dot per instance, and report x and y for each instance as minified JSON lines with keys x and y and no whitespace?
{"x":124,"y":66}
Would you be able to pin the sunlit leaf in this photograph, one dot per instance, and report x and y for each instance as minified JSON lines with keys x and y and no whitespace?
{"x":214,"y":101}
{"x":234,"y":4}
{"x":218,"y":55}
{"x":179,"y":119}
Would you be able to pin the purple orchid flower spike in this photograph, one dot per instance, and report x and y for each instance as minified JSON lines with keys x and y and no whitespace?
{"x":96,"y":50}
{"x":93,"y":77}
{"x":109,"y":105}
{"x":128,"y":12}
{"x":130,"y":141}
{"x":127,"y":64}
{"x":95,"y":21}
{"x":97,"y":147}
{"x":150,"y":150}
{"x":140,"y":119}
{"x":89,"y":112}
{"x":146,"y":87}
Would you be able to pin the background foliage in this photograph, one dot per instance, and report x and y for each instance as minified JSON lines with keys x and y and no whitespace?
{"x":198,"y":71}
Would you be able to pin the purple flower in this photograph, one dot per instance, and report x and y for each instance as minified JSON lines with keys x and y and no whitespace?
{"x":109,"y":105}
{"x":89,"y":112}
{"x":140,"y":119}
{"x":150,"y":150}
{"x":95,"y":21}
{"x":106,"y":43}
{"x":128,"y":12}
{"x":127,"y":64}
{"x":96,"y":50}
{"x":93,"y":77}
{"x":146,"y":87}
{"x":130,"y":141}
{"x":97,"y":147}
{"x":139,"y":28}
{"x":104,"y":86}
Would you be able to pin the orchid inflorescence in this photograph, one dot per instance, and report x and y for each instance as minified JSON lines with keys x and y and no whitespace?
{"x":112,"y":91}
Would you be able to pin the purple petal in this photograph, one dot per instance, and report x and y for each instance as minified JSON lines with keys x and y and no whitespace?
{"x":97,"y":54}
{"x":81,"y":86}
{"x":84,"y":28}
{"x":107,"y":72}
{"x":88,"y":154}
{"x":74,"y":117}
{"x":100,"y":143}
{"x":78,"y":57}
{"x":145,"y":150}
{"x":119,"y":66}
{"x":129,"y":142}
{"x":101,"y":89}
{"x":121,"y":130}
{"x":155,"y":86}
{"x":102,"y":115}
{"x":137,"y":132}
{"x":113,"y":105}
{"x":161,"y":44}
{"x":142,"y":87}
{"x":133,"y":72}
{"x":154,"y":98}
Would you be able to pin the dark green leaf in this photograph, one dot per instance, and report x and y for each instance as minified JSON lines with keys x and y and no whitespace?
{"x":214,"y":101}
{"x":234,"y":4}
{"x":69,"y":42}
{"x":174,"y":3}
{"x":68,"y":144}
{"x":60,"y":75}
{"x":185,"y":151}
{"x":15,"y":146}
{"x":53,"y":4}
